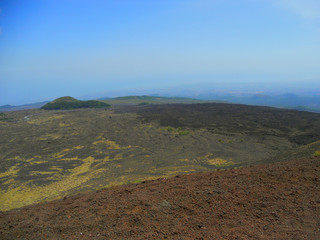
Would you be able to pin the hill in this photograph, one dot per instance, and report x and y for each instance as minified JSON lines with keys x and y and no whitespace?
{"x":275,"y":201}
{"x":143,"y":100}
{"x":67,"y":103}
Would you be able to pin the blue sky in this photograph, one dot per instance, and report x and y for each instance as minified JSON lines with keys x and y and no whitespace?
{"x":50,"y":49}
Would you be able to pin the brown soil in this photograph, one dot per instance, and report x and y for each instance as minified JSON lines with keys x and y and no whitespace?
{"x":275,"y":201}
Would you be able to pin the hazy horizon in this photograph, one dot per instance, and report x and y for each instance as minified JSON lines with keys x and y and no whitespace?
{"x":50,"y":49}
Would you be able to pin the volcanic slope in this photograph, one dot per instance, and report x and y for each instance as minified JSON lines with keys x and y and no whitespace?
{"x":46,"y":155}
{"x":275,"y":201}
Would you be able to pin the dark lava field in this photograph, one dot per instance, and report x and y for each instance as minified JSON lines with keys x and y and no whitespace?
{"x":47,"y":155}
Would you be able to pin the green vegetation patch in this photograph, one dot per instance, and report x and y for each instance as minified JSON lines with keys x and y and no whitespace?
{"x":178,"y":130}
{"x":183,"y":132}
{"x":219,"y":162}
{"x":316,"y":154}
{"x":67,"y":103}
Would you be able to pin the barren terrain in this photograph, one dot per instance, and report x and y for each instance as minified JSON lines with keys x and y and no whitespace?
{"x":46,"y":155}
{"x":175,"y":171}
{"x":276,"y":201}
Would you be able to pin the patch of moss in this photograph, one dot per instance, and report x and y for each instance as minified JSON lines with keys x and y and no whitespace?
{"x":170,"y":129}
{"x":110,"y":144}
{"x":22,"y":194}
{"x":316,"y":154}
{"x":10,"y":172}
{"x":37,"y":173}
{"x":178,"y":130}
{"x":42,"y":119}
{"x":219,"y":162}
{"x":183,"y":132}
{"x":49,"y":137}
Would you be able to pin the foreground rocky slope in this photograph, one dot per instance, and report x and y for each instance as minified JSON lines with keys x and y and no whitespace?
{"x":275,"y":201}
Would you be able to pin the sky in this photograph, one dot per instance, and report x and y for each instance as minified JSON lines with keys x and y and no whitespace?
{"x":50,"y":49}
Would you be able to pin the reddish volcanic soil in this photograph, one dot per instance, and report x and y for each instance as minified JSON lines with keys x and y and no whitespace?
{"x":276,"y":201}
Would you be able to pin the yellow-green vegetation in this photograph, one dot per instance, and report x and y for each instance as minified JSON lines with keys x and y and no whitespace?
{"x":215,"y":161}
{"x":316,"y":154}
{"x":110,"y":144}
{"x":184,"y":160}
{"x":36,"y":173}
{"x":183,"y":132}
{"x":69,"y":159}
{"x":41,"y":120}
{"x":11,"y":172}
{"x":178,"y":131}
{"x":148,"y":126}
{"x":227,"y":141}
{"x":85,"y":167}
{"x":64,"y":124}
{"x":220,"y":162}
{"x":55,"y":168}
{"x":58,"y":155}
{"x":170,"y":129}
{"x":21,"y":194}
{"x":51,"y":136}
{"x":16,"y":158}
{"x":65,"y":181}
{"x":63,"y":152}
{"x":83,"y":174}
{"x":118,"y":156}
{"x":78,"y":147}
{"x":62,"y":178}
{"x":35,"y":162}
{"x":26,"y":193}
